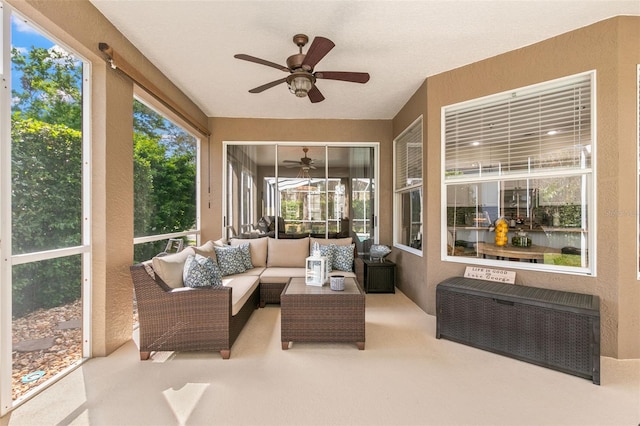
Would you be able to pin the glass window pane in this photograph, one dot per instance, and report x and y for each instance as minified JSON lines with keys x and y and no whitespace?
{"x":301,"y":201}
{"x":244,"y":209}
{"x":411,"y":218}
{"x":547,"y":220}
{"x":302,"y":190}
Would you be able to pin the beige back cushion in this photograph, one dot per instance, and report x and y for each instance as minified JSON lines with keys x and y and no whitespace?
{"x":287,"y":253}
{"x":170,"y":267}
{"x":206,"y":250}
{"x":220,"y":243}
{"x":327,"y":241}
{"x":257,"y":248}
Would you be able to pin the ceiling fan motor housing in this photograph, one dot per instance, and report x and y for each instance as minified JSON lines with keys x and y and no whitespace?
{"x":294,"y":62}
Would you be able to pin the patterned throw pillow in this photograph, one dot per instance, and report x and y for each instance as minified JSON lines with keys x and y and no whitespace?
{"x":327,"y":251}
{"x":343,"y":257}
{"x":230,"y":260}
{"x":245,"y":249}
{"x":200,"y":271}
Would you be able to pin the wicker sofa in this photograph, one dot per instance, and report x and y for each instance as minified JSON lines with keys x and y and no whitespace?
{"x":275,"y":261}
{"x":173,"y":317}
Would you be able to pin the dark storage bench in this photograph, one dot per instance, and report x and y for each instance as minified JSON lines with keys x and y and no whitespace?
{"x":550,"y":328}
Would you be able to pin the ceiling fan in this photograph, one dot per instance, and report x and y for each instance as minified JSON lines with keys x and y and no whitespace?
{"x":302,"y":79}
{"x":305,"y":162}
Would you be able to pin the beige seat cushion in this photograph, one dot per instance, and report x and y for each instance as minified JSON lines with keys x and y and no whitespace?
{"x":287,"y":253}
{"x":254,"y":272}
{"x":281,"y":275}
{"x":170,"y":267}
{"x":242,"y":287}
{"x":257,"y":248}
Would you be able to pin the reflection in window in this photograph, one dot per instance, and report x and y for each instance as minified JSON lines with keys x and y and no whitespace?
{"x":322,"y":191}
{"x":526,"y":158}
{"x":411,"y":222}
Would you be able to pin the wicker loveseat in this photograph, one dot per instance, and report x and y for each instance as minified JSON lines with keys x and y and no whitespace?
{"x":187,"y":319}
{"x":173,"y":317}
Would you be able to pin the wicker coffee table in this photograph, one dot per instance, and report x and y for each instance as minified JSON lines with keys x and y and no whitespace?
{"x":319,"y":314}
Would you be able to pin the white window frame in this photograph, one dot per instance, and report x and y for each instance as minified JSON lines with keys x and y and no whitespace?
{"x":410,"y":187}
{"x":589,"y":189}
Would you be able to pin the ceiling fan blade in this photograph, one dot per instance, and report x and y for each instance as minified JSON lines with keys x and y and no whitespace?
{"x":315,"y":95}
{"x":355,"y":77}
{"x":318,"y":49}
{"x":261,"y":61}
{"x":291,"y":161}
{"x":267,"y":86}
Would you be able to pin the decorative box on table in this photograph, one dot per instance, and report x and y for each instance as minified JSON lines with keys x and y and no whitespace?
{"x":316,"y":270}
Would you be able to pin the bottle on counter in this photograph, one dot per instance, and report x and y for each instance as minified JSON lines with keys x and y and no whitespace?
{"x":521,"y":239}
{"x":502,"y":229}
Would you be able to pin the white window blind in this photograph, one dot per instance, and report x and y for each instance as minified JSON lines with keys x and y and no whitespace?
{"x":540,"y":128}
{"x":408,"y":157}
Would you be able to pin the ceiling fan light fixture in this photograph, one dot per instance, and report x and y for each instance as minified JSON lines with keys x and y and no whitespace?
{"x":300,"y":83}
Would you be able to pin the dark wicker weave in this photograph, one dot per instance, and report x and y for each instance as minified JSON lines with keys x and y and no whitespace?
{"x":270,"y":293}
{"x":186,"y":319}
{"x":318,"y":314}
{"x":550,"y":328}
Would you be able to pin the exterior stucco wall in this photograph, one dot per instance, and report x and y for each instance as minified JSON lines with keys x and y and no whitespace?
{"x":411,"y":272}
{"x":612,"y":48}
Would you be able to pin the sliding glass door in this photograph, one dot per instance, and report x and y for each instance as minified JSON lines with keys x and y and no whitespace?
{"x":294,"y":191}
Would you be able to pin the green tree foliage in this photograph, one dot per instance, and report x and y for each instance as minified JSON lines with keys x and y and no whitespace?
{"x":47,"y":177}
{"x":50,"y":87}
{"x":164,"y":179}
{"x":46,"y":170}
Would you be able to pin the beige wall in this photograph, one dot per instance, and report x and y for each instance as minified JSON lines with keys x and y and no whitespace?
{"x":275,"y":130}
{"x":612,"y":48}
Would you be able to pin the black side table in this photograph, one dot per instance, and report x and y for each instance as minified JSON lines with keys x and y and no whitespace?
{"x":376,"y":276}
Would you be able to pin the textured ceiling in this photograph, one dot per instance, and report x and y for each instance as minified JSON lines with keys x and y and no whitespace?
{"x":399,"y":43}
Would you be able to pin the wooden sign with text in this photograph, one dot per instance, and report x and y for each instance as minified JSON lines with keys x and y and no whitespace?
{"x":488,"y":274}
